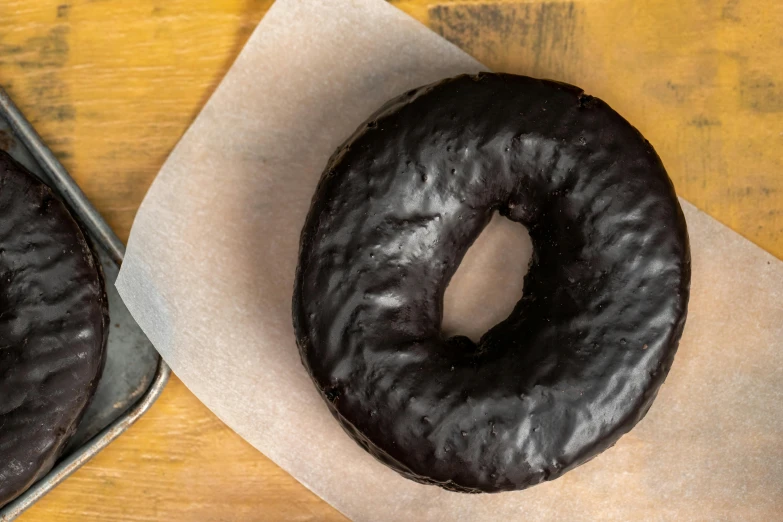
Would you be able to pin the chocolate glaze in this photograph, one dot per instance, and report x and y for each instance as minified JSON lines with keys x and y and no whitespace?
{"x":53,"y":327}
{"x":579,"y":360}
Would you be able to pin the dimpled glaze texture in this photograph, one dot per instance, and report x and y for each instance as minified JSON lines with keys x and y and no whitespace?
{"x":579,"y":360}
{"x":53,"y":326}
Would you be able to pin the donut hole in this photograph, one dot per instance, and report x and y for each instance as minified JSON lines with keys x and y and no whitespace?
{"x":489,"y":281}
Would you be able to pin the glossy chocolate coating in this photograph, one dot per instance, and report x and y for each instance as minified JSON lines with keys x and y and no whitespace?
{"x":53,"y":327}
{"x":579,"y":360}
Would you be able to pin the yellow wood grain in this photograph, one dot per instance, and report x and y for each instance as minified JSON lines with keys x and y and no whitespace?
{"x":112,"y":85}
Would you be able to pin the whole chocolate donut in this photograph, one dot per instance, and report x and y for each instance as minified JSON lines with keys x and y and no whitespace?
{"x":53,"y":327}
{"x":579,"y":360}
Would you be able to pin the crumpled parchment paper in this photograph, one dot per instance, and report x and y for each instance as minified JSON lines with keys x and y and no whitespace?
{"x":210,"y":265}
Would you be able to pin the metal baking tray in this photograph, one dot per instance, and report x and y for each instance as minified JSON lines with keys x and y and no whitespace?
{"x":134,"y":375}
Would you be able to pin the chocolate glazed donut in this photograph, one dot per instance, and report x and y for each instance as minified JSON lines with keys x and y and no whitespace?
{"x":53,"y":326}
{"x":581,"y":357}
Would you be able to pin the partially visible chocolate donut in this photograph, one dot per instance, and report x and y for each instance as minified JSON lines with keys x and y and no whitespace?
{"x":53,"y":327}
{"x":581,"y":357}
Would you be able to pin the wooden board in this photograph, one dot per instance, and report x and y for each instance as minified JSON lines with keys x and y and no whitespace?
{"x":112,"y":85}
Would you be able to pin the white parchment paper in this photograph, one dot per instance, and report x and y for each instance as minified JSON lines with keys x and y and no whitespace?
{"x":210,"y":265}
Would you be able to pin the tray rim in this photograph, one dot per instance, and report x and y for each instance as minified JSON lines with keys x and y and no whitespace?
{"x":102,"y":233}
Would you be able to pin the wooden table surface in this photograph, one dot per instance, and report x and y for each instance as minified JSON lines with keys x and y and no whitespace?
{"x":113,"y":84}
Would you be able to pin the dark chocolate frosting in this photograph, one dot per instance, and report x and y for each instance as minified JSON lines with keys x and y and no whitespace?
{"x":53,"y":327}
{"x":581,"y":357}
